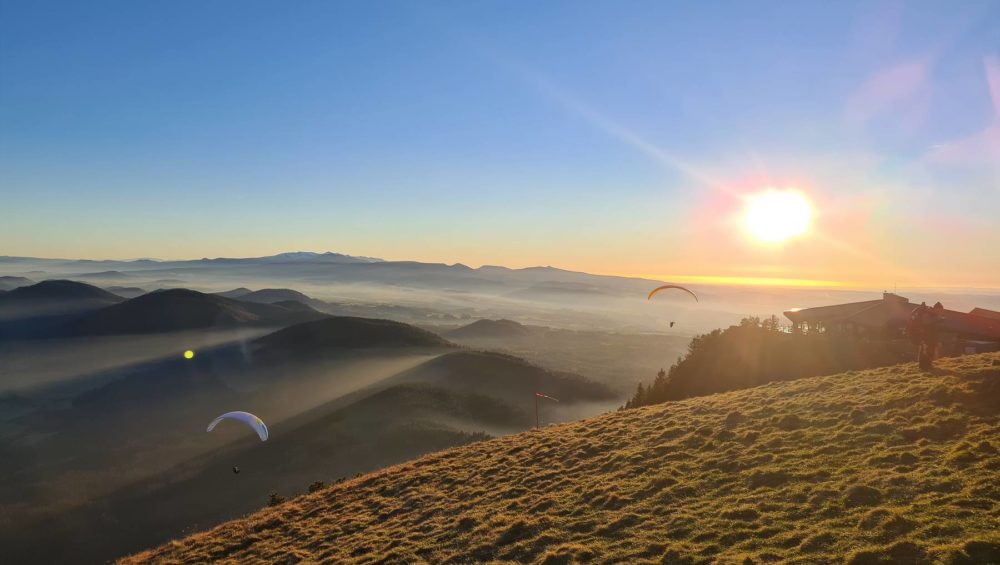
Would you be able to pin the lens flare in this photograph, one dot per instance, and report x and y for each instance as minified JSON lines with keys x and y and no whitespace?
{"x":774,"y":216}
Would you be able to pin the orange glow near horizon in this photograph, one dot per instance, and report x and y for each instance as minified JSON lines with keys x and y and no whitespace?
{"x":749,"y":281}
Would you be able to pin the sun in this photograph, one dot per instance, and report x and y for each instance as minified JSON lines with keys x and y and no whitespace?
{"x":774,"y":216}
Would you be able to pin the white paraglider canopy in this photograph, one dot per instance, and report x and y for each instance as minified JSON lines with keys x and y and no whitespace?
{"x":247,"y":418}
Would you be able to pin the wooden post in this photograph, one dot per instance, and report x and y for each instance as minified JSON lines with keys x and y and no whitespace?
{"x":536,"y":411}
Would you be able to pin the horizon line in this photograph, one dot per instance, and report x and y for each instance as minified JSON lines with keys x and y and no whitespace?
{"x":701,"y":279}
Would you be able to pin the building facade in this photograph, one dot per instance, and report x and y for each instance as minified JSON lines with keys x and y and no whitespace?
{"x":959,"y":333}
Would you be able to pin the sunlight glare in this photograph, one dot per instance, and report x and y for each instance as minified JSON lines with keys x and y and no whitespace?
{"x":775,"y":216}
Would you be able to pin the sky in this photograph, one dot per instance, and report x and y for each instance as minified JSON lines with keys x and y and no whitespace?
{"x":618,"y":137}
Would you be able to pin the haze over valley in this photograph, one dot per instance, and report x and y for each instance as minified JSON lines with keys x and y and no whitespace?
{"x":105,"y":392}
{"x":554,"y":283}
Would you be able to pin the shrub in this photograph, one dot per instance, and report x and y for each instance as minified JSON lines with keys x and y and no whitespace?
{"x":874,"y":518}
{"x":862,"y":495}
{"x":897,"y":526}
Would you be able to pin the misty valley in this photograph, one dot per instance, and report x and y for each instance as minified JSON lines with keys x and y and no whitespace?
{"x":108,"y":378}
{"x":105,"y":392}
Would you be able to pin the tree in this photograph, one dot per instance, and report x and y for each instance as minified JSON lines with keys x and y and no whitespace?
{"x":757,"y":351}
{"x":275,"y":499}
{"x":771,"y":323}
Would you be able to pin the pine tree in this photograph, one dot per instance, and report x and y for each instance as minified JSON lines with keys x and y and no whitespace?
{"x":275,"y":499}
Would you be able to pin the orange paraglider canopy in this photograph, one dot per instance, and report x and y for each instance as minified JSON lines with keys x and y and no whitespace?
{"x":666,"y":286}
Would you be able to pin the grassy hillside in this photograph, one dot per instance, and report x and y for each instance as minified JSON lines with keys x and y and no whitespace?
{"x":885,"y":465}
{"x":619,"y":360}
{"x":390,"y":426}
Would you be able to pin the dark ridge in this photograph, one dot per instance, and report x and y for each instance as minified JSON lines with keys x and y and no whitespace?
{"x":126,"y":291}
{"x":235,"y":293}
{"x":342,"y":332}
{"x":181,"y":309}
{"x":60,"y":290}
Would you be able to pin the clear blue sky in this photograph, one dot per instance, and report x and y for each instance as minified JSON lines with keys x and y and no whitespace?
{"x":587,"y":134}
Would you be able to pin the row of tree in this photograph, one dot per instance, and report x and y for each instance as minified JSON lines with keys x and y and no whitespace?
{"x":758,"y":351}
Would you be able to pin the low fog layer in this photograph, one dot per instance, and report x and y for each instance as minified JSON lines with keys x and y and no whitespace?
{"x":429,"y":293}
{"x":98,"y":425}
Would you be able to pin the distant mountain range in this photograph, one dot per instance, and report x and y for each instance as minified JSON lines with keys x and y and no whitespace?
{"x":408,"y":291}
{"x":332,"y":267}
{"x":294,"y":256}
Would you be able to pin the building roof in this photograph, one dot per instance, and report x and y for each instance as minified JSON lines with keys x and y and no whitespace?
{"x":896,"y":310}
{"x":828,"y":313}
{"x":985,"y":313}
{"x":970,"y":324}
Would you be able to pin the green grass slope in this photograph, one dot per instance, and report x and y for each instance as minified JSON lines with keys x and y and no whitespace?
{"x":889,"y":465}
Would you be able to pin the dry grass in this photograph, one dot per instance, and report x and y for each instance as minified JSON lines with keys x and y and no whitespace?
{"x":890,"y":465}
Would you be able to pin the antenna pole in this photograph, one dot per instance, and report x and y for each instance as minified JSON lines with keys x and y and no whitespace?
{"x":536,"y":411}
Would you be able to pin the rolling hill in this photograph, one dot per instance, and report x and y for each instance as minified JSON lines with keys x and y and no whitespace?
{"x":276,"y":295}
{"x":889,"y":465}
{"x":10,"y":283}
{"x":57,"y":291}
{"x":53,"y":297}
{"x":333,"y":334}
{"x":502,"y":376}
{"x":182,"y":309}
{"x":235,"y":293}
